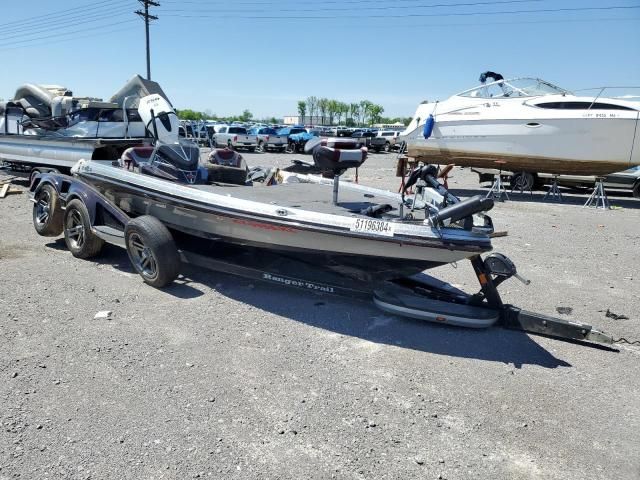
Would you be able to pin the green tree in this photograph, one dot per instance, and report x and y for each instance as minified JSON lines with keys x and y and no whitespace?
{"x":312,"y":105}
{"x":246,"y":116}
{"x":332,"y":110}
{"x":375,"y":112}
{"x":354,"y":113}
{"x":302,"y":109}
{"x":323,"y":105}
{"x":365,"y":110}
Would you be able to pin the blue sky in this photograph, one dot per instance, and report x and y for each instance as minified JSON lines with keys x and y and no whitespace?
{"x":264,"y":55}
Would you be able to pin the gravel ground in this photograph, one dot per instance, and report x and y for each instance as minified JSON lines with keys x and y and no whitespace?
{"x":218,"y":377}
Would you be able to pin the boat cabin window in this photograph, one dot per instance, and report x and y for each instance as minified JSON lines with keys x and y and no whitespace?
{"x":84,"y":115}
{"x":582,"y":106}
{"x":111,"y":116}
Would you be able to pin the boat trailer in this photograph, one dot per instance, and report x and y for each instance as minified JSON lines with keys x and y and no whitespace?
{"x":421,"y":296}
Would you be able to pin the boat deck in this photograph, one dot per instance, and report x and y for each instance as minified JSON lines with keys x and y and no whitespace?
{"x":306,"y":196}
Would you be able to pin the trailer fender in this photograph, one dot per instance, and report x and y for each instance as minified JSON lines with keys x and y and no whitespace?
{"x":106,"y":218}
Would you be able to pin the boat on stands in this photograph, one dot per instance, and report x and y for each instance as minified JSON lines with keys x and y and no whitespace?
{"x":528,"y":125}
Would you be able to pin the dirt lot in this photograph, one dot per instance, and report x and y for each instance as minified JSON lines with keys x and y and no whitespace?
{"x":218,"y":377}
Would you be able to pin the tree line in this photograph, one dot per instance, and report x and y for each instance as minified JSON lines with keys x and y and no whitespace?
{"x":246,"y":116}
{"x":355,"y":114}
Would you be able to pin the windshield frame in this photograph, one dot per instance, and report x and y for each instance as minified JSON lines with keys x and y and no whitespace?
{"x":515,"y":88}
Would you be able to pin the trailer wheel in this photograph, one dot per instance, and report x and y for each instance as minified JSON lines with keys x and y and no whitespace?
{"x":636,"y":190}
{"x":80,"y":240}
{"x":522,"y":181}
{"x":152,"y":251}
{"x":47,"y":214}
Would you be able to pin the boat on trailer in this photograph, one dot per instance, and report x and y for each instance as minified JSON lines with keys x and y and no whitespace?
{"x":305,"y":231}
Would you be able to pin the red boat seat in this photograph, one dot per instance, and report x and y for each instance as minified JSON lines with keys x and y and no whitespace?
{"x":134,"y":156}
{"x":338,"y":160}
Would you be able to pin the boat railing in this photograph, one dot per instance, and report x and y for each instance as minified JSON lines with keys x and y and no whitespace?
{"x":599,"y":92}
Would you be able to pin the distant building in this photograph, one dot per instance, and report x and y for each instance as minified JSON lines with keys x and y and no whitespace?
{"x":306,"y":120}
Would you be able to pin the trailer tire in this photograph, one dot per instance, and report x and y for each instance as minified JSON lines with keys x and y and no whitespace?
{"x":80,"y":240}
{"x":47,"y":214}
{"x":152,"y":251}
{"x":522,"y":181}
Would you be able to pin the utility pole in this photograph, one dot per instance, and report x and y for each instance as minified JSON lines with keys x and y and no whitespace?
{"x":147,"y":17}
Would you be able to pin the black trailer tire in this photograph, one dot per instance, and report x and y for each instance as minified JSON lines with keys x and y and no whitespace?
{"x":523,"y":181}
{"x":47,"y":214}
{"x":152,"y":251}
{"x":636,"y":189}
{"x":80,"y":240}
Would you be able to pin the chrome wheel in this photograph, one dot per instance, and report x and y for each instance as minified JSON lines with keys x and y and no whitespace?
{"x":143,"y":258}
{"x":74,"y":229}
{"x":43,"y":207}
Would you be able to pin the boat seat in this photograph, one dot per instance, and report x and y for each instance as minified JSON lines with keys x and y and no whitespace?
{"x":338,"y":160}
{"x":226,"y":166}
{"x":134,"y":156}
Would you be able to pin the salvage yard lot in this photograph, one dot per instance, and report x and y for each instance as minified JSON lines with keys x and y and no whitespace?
{"x":219,"y":377}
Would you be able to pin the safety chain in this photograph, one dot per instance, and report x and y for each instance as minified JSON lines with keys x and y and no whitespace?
{"x":628,"y":342}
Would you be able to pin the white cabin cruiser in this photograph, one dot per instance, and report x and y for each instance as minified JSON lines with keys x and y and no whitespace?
{"x":527,"y":125}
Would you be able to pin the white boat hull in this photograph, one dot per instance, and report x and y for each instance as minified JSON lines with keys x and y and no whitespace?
{"x":562,"y":146}
{"x":557,"y":134}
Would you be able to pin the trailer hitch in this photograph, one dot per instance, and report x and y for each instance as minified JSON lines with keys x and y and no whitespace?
{"x":495,"y":269}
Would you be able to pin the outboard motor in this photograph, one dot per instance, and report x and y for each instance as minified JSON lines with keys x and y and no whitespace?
{"x":178,"y":162}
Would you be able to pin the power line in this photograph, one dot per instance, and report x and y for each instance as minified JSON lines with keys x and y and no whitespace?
{"x":386,"y":7}
{"x":57,"y":27}
{"x":74,"y":39}
{"x":147,"y":18}
{"x":60,"y":13}
{"x":407,"y":15}
{"x":71,"y":32}
{"x":104,"y":11}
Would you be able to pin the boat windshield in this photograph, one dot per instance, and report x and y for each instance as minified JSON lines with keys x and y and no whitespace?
{"x":517,"y":87}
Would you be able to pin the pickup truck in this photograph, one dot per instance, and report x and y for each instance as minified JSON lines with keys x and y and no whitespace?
{"x":268,"y":139}
{"x":386,"y":140}
{"x":364,"y":137}
{"x":234,"y":137}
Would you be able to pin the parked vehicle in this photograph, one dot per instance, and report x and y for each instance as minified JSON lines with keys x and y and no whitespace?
{"x":268,"y":139}
{"x":385,"y":140}
{"x":234,"y":137}
{"x":297,"y":141}
{"x":364,"y":136}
